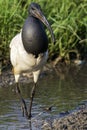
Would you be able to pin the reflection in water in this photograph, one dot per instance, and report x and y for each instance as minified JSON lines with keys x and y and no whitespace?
{"x":62,"y":93}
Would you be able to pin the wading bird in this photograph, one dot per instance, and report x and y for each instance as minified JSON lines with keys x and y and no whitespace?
{"x":29,"y":50}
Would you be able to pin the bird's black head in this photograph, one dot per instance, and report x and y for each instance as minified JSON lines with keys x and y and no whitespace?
{"x":35,"y":11}
{"x":34,"y":8}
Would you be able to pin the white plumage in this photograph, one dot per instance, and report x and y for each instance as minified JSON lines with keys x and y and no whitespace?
{"x":24,"y":62}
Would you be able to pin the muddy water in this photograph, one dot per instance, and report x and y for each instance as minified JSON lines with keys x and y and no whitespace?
{"x":63,"y":92}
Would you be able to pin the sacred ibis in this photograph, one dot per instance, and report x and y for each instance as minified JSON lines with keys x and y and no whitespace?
{"x":29,"y":50}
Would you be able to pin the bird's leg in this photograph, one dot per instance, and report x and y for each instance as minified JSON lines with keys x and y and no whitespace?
{"x":24,"y":108}
{"x":31,"y":101}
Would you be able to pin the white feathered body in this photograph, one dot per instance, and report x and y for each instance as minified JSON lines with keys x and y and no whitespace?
{"x":22,"y":61}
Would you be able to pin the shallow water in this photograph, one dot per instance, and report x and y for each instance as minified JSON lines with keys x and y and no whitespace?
{"x":63,"y":92}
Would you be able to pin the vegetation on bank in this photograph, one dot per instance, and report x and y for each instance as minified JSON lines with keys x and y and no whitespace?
{"x":67,"y":18}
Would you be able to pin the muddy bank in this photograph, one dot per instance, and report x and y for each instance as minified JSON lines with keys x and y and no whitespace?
{"x":76,"y":120}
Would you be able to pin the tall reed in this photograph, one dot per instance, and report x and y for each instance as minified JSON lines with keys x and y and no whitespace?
{"x":67,"y":18}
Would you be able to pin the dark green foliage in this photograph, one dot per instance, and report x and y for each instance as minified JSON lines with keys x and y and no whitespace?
{"x":67,"y":18}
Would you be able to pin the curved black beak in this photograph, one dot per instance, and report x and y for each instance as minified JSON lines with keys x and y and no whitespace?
{"x":38,"y":14}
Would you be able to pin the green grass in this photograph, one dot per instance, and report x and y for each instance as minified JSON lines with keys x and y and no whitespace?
{"x":67,"y":18}
{"x":68,"y":24}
